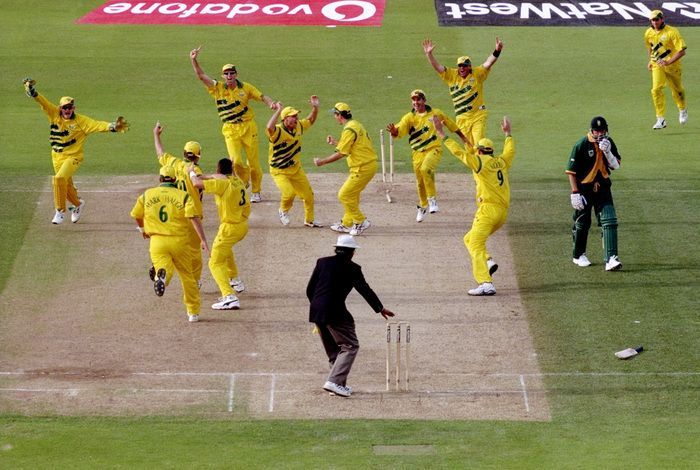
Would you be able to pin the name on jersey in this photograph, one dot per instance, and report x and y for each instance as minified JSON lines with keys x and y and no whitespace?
{"x":255,"y":12}
{"x":162,"y":200}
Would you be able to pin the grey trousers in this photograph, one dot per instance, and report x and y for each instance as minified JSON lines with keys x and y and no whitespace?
{"x":341,"y":345}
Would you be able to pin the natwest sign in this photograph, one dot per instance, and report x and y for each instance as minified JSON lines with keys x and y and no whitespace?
{"x":256,"y":12}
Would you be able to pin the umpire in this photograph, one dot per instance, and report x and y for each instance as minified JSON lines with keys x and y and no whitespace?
{"x":331,"y":282}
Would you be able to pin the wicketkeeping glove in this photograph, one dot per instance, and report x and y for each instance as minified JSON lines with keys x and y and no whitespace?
{"x":29,"y":87}
{"x":578,"y":202}
{"x":120,"y":125}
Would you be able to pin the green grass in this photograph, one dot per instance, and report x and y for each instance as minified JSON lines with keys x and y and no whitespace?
{"x":644,"y":414}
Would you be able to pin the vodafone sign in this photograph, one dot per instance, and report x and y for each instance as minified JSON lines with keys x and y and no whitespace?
{"x":258,"y":12}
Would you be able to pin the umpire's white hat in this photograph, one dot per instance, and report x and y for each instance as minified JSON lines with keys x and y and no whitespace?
{"x":347,"y":241}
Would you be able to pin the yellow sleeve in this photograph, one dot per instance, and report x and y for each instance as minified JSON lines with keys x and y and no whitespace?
{"x":449,"y":123}
{"x":137,"y":211}
{"x":274,"y":135}
{"x":465,"y":156}
{"x":90,"y":126}
{"x":50,"y":109}
{"x":252,"y":92}
{"x":347,"y":140}
{"x":404,"y":125}
{"x":509,"y":151}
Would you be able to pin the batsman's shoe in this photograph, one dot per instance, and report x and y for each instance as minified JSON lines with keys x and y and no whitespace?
{"x":339,"y":227}
{"x":152,"y":273}
{"x":255,"y":197}
{"x":660,"y":123}
{"x":58,"y":217}
{"x":230,"y":302}
{"x":683,"y":116}
{"x":159,"y":282}
{"x":357,"y":229}
{"x":491,"y":264}
{"x":337,"y":389}
{"x":284,"y":217}
{"x":484,"y":289}
{"x":192,"y":318}
{"x":237,"y":285}
{"x":613,"y":264}
{"x":582,"y":261}
{"x":432,"y":205}
{"x":77,"y":212}
{"x":313,"y":224}
{"x":420,"y":213}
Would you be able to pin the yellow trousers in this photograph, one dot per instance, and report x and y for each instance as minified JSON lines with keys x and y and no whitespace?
{"x":292,"y":185}
{"x":349,"y":194}
{"x":473,"y":125}
{"x":173,"y":254}
{"x":63,"y":187}
{"x":487,"y":219}
{"x":222,"y":262}
{"x":671,"y":75}
{"x":424,"y":166}
{"x":242,"y":138}
{"x":194,"y":244}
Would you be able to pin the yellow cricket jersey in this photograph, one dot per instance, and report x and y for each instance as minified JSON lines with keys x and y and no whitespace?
{"x":285,"y":146}
{"x":165,"y":210}
{"x":183,"y":181}
{"x":467,"y":93}
{"x":67,"y":136}
{"x":664,"y":43}
{"x":490,"y":172}
{"x":356,"y":144}
{"x":231,"y":200}
{"x":420,"y":128}
{"x":232,"y":103}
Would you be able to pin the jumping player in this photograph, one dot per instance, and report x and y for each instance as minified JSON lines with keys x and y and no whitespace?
{"x":239,"y":129}
{"x":590,"y":163}
{"x":466,"y":86}
{"x":67,"y":137}
{"x":665,"y":48}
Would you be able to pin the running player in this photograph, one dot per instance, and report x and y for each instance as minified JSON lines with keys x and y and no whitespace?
{"x":356,"y":146}
{"x":239,"y":129}
{"x":285,"y":159}
{"x":426,"y":148}
{"x":163,"y":215}
{"x":492,"y":199}
{"x":666,"y":48}
{"x":67,"y":137}
{"x":466,"y":86}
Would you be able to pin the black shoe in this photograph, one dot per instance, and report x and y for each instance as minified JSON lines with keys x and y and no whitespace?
{"x":159,"y":283}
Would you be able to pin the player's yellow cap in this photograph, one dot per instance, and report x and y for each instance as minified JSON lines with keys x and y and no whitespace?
{"x":228,"y":67}
{"x":340,"y":107}
{"x":485,"y":144}
{"x":417,"y":94}
{"x":193,"y":148}
{"x":289,"y":111}
{"x":656,"y":14}
{"x":66,"y":100}
{"x":464,"y":60}
{"x":168,"y":171}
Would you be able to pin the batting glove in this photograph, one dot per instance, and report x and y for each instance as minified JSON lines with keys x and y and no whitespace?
{"x":120,"y":125}
{"x":578,"y":202}
{"x":29,"y":87}
{"x":604,"y":145}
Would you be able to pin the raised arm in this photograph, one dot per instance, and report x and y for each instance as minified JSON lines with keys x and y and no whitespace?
{"x":494,"y":55}
{"x":208,"y":81}
{"x":314,"y":102}
{"x":272,"y":122}
{"x":156,"y":139}
{"x":428,"y":48}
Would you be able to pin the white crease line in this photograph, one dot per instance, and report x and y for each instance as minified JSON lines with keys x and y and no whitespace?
{"x":273,"y":382}
{"x":231,"y":384}
{"x":522,"y":384}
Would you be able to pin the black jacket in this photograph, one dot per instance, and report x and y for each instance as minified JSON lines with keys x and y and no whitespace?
{"x":331,"y":282}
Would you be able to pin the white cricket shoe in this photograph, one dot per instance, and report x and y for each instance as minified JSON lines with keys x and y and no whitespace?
{"x":237,"y":284}
{"x":432,"y":205}
{"x":339,"y":227}
{"x":337,"y":389}
{"x":159,"y":282}
{"x":613,"y":264}
{"x":484,"y":289}
{"x":313,"y":224}
{"x":230,"y":302}
{"x":660,"y":123}
{"x":256,"y":197}
{"x":581,"y":261}
{"x":683,"y":116}
{"x":58,"y":217}
{"x":77,"y":212}
{"x":284,"y":217}
{"x":357,"y":229}
{"x":491,"y":264}
{"x":192,"y":318}
{"x":420,"y":213}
